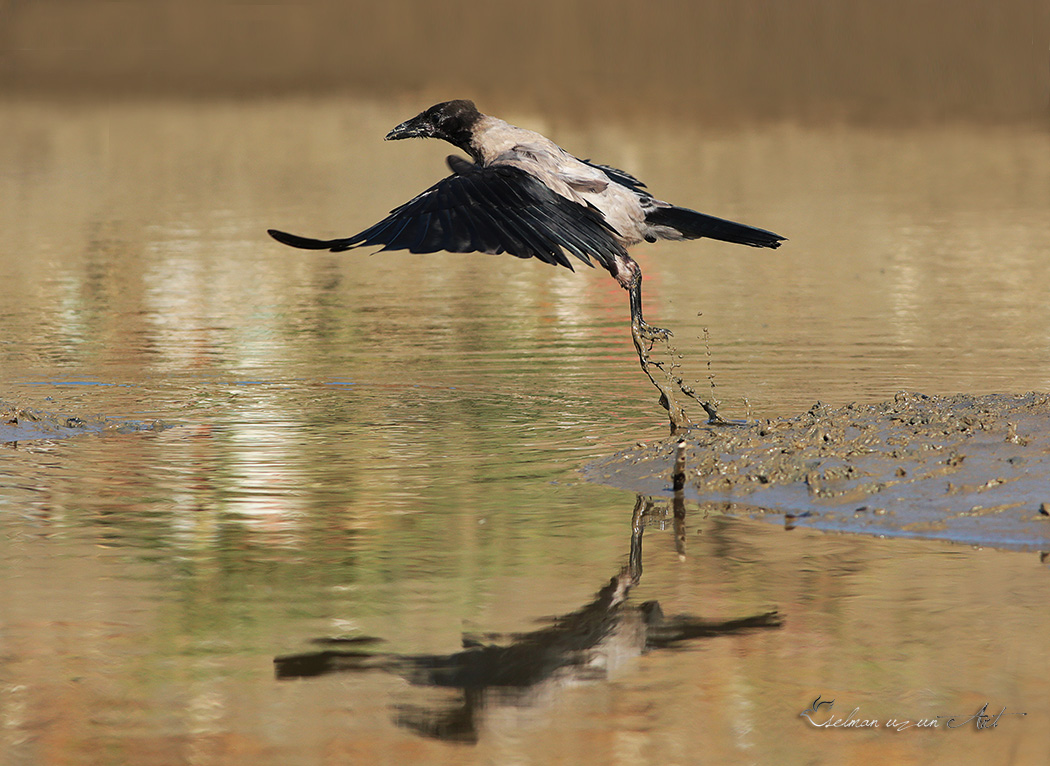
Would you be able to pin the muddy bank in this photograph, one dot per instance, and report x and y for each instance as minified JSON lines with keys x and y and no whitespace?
{"x":19,"y":423}
{"x":973,"y":469}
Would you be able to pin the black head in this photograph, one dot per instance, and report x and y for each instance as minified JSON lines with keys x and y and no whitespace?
{"x":451,"y":121}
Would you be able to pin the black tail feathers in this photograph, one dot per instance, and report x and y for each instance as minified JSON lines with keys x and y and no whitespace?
{"x":693,"y":225}
{"x":335,"y":245}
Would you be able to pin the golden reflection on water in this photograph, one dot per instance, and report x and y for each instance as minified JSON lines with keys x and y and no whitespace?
{"x":915,"y":257}
{"x":384,"y":445}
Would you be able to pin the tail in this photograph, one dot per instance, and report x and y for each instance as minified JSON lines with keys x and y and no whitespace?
{"x":335,"y":245}
{"x":690,"y":224}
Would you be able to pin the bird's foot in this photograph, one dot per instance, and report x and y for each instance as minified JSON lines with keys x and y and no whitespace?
{"x":649,"y":332}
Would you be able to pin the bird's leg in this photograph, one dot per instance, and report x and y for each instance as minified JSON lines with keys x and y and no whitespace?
{"x":634,"y":290}
{"x":629,"y":275}
{"x":643,"y":345}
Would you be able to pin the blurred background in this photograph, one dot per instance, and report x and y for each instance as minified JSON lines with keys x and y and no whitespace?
{"x":897,"y":61}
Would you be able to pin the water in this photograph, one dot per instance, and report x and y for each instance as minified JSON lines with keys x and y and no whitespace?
{"x":385,"y":445}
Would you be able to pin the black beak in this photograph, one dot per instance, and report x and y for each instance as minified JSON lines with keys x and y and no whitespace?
{"x":414,"y":128}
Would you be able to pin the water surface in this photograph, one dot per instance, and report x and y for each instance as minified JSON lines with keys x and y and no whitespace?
{"x":386,"y":445}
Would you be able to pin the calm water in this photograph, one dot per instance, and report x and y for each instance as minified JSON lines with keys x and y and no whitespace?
{"x":384,"y":446}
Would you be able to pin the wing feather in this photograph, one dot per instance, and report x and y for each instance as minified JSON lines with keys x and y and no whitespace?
{"x":621,"y":177}
{"x":490,"y":210}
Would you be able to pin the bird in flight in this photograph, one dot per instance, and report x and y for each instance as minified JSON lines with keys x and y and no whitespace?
{"x":522,"y":194}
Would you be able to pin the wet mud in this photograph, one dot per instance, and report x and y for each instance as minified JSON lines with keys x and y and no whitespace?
{"x":972,"y":469}
{"x":19,"y":423}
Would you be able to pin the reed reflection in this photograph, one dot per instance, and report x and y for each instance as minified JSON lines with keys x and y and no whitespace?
{"x":525,"y":669}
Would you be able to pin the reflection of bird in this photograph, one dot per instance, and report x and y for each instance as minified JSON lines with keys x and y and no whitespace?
{"x":590,"y":643}
{"x":526,"y":196}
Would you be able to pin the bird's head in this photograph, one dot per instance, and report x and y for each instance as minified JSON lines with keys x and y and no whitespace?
{"x":451,"y":121}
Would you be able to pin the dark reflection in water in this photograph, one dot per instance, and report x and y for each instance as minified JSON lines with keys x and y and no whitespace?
{"x":588,"y":644}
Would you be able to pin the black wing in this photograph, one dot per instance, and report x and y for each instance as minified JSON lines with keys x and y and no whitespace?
{"x":616,"y":175}
{"x":492,"y":209}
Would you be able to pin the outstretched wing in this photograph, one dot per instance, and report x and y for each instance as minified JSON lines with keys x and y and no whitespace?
{"x":493,"y":209}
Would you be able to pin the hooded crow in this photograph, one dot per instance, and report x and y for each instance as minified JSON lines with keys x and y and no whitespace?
{"x":520,"y":193}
